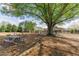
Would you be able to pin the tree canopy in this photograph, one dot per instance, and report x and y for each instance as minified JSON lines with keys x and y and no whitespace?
{"x":50,"y":13}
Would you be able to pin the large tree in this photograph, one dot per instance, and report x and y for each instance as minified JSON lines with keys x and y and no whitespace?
{"x":50,"y":13}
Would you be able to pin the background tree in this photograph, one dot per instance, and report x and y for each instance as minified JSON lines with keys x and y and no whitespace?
{"x":50,"y":14}
{"x":14,"y":28}
{"x":8,"y":28}
{"x":27,"y":26}
{"x":2,"y":28}
{"x":30,"y":26}
{"x":19,"y":28}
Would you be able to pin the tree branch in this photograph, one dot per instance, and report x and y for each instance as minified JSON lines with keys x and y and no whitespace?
{"x":61,"y":12}
{"x":67,"y":18}
{"x":30,"y":13}
{"x":66,"y":12}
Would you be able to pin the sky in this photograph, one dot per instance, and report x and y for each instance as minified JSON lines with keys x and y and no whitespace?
{"x":74,"y":22}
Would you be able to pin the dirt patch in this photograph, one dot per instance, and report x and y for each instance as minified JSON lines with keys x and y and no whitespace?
{"x":35,"y":45}
{"x":57,"y":47}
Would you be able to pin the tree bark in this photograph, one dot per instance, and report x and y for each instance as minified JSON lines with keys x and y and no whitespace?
{"x":50,"y":30}
{"x":49,"y":33}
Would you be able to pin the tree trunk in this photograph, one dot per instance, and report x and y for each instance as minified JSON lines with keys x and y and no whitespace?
{"x":49,"y":30}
